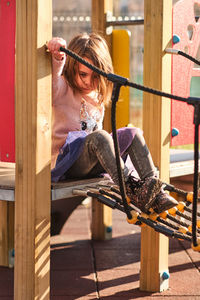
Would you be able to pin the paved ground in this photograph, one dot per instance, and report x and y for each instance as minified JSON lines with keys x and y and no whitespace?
{"x":85,"y":269}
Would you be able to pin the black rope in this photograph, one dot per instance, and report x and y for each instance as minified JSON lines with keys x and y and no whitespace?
{"x":188,"y":57}
{"x":190,"y":210}
{"x":115,"y":96}
{"x":180,"y":214}
{"x":184,"y":224}
{"x":115,"y":197}
{"x":123,"y":81}
{"x":172,"y":188}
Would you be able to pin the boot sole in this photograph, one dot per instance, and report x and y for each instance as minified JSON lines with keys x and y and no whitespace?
{"x":159,"y":211}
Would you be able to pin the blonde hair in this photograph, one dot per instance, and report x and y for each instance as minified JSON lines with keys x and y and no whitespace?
{"x":93,"y":47}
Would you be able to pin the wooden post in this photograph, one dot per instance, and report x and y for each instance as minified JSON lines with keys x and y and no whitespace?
{"x":100,"y":10}
{"x":101,"y":226}
{"x":156,"y":125}
{"x":6,"y":232}
{"x":33,"y":150}
{"x":101,"y":214}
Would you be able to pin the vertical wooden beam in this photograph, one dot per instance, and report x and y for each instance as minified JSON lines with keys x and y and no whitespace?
{"x":100,"y":9}
{"x":156,"y":125}
{"x":101,"y":226}
{"x":6,"y":233}
{"x":33,"y":150}
{"x":101,"y":214}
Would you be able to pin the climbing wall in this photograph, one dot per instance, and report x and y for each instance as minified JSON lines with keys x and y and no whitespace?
{"x":7,"y":79}
{"x":185,"y":75}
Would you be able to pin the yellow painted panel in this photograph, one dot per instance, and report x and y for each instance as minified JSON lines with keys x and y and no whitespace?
{"x":120,"y":57}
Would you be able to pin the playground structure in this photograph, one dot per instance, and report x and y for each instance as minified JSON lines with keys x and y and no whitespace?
{"x":32,"y":179}
{"x":186,"y":38}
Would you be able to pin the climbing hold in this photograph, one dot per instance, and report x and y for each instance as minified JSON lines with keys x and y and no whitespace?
{"x":175,"y":132}
{"x":176,"y":39}
{"x":165,"y":275}
{"x":109,"y":229}
{"x":13,"y":253}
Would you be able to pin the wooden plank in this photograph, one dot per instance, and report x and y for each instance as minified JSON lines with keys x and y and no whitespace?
{"x":100,"y":8}
{"x":63,"y":190}
{"x":182,"y":168}
{"x":156,"y":126}
{"x":33,"y":149}
{"x":59,"y":190}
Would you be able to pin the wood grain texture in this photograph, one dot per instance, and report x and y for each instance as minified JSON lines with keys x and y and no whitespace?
{"x":33,"y":148}
{"x":100,"y":8}
{"x":156,"y":126}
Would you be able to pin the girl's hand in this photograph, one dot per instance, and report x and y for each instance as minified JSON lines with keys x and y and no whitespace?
{"x":54,"y":46}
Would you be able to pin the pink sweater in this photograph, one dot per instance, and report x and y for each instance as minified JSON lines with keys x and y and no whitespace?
{"x":66,"y":108}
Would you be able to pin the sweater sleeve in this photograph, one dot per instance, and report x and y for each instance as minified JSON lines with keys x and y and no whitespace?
{"x":59,"y":86}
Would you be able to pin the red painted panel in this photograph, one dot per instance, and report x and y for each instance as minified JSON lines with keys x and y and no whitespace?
{"x":183,"y":69}
{"x":7,"y":79}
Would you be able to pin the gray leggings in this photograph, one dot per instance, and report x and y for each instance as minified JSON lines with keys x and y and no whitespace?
{"x":98,"y":156}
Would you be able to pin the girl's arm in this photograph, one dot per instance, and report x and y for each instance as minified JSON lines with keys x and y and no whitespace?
{"x":58,"y":62}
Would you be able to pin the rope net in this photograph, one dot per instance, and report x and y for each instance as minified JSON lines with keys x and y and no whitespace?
{"x":161,"y":224}
{"x":174,"y":223}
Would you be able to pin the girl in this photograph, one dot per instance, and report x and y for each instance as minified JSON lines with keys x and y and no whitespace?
{"x":80,"y":147}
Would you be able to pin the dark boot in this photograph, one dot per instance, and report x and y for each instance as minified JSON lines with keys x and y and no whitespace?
{"x":163,"y":202}
{"x":143,"y":192}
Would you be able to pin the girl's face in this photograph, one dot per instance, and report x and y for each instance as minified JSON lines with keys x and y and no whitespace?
{"x":86,"y":79}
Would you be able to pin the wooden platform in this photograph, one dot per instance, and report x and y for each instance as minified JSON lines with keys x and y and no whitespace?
{"x":59,"y":190}
{"x":181,"y":162}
